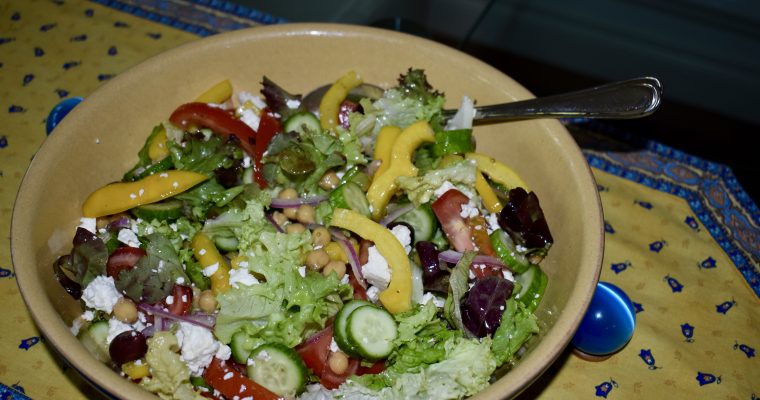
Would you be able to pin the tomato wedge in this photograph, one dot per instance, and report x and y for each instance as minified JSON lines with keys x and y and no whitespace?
{"x":123,"y":258}
{"x":233,"y":384}
{"x":447,"y":209}
{"x":315,"y":351}
{"x":182,"y":300}
{"x":269,"y":126}
{"x":202,"y":115}
{"x":479,"y":234}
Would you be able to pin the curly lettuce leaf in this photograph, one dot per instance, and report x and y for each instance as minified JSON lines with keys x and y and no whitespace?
{"x":287,"y":307}
{"x":420,"y":189}
{"x":518,"y":325}
{"x":170,"y":377}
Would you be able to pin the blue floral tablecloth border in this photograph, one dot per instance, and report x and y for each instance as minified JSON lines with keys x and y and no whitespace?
{"x":712,"y":191}
{"x":200,"y":17}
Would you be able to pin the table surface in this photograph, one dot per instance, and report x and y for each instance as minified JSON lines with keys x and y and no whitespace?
{"x":682,"y":237}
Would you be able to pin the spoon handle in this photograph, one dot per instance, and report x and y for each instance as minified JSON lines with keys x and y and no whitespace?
{"x":632,"y":98}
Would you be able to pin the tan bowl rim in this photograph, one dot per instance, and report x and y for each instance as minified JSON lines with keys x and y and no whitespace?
{"x":55,"y":331}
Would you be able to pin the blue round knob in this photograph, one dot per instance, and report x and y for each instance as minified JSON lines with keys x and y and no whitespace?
{"x":59,"y":111}
{"x":608,"y":324}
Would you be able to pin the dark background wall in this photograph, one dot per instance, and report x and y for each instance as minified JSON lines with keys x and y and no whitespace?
{"x":706,"y":52}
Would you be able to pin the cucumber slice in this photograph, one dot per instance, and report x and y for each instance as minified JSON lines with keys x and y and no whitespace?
{"x":94,"y":337}
{"x":371,"y":331}
{"x":226,"y":243}
{"x":422,"y":220}
{"x":241,"y":346}
{"x":341,"y":321}
{"x":166,"y":210}
{"x":505,"y":248}
{"x":302,"y":122}
{"x":278,"y":368}
{"x":533,"y":283}
{"x":356,"y":176}
{"x":350,"y":196}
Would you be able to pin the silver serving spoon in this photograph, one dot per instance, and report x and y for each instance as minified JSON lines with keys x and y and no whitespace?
{"x":633,"y":98}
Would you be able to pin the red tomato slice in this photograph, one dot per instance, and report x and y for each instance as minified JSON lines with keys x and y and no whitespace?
{"x":479,"y":234}
{"x":182,"y":300}
{"x":202,"y":115}
{"x":233,"y":384}
{"x":315,"y":352}
{"x":376,"y":368}
{"x":123,"y":258}
{"x":269,"y":126}
{"x":447,"y":209}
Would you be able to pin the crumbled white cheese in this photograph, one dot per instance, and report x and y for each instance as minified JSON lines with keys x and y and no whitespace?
{"x":469,"y":210}
{"x":344,"y":279}
{"x":116,"y":327}
{"x":493,"y":222}
{"x":437,"y":300}
{"x":170,"y":300}
{"x":241,"y":276}
{"x":211,"y":269}
{"x":224,"y":352}
{"x":376,"y":270}
{"x":293,"y":104}
{"x":246,"y":161}
{"x":334,"y":346}
{"x":445,"y":187}
{"x":88,"y":315}
{"x":88,"y":223}
{"x":250,"y":118}
{"x":404,"y":236}
{"x":128,"y":237}
{"x":76,"y":325}
{"x":507,"y":274}
{"x":256,"y":101}
{"x":302,"y":271}
{"x":373,"y":293}
{"x":101,"y":294}
{"x":197,"y":346}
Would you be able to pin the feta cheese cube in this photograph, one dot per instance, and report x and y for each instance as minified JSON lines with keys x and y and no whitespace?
{"x":376,"y":270}
{"x":404,"y":236}
{"x":128,"y":237}
{"x":240,"y":276}
{"x":197,"y":347}
{"x":101,"y":294}
{"x":88,"y":223}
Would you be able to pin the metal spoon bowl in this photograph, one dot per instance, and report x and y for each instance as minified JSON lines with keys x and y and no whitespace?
{"x":633,"y":98}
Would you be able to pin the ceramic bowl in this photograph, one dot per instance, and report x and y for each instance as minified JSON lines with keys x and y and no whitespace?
{"x":99,"y":140}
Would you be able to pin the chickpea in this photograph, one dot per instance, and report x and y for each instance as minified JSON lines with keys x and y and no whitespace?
{"x":339,"y":267}
{"x":320,"y":237}
{"x":207,"y":301}
{"x":329,"y":180}
{"x":125,"y":311}
{"x":294,"y":228}
{"x":280,"y":218}
{"x":316,"y":259}
{"x":287,"y":194}
{"x":290,"y":212}
{"x":305,"y":214}
{"x":338,"y":362}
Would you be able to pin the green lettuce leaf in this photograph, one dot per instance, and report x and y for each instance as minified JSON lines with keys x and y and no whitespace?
{"x":457,"y":289}
{"x":518,"y":325}
{"x":170,"y":377}
{"x":153,"y":277}
{"x":286,"y":307}
{"x":420,"y":189}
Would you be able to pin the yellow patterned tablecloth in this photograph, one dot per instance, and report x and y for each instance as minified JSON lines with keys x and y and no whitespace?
{"x":682,"y":237}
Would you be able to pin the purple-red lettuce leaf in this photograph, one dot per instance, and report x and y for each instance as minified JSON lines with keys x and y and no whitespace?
{"x":89,"y":256}
{"x":483,"y":307}
{"x":154,"y":275}
{"x":523,"y":218}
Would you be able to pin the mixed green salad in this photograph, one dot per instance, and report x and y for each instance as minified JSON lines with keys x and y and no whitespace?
{"x":261,"y":250}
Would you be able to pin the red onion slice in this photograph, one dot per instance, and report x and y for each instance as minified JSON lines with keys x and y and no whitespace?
{"x":452,"y":257}
{"x":399,"y":211}
{"x":353,"y":258}
{"x":273,"y":222}
{"x":293,"y":203}
{"x":200,"y":319}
